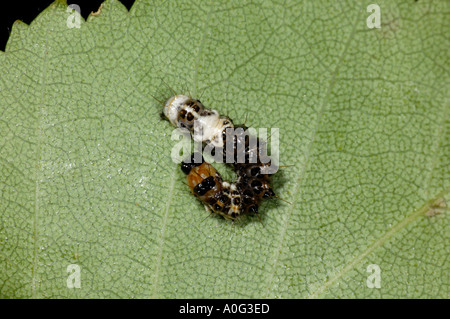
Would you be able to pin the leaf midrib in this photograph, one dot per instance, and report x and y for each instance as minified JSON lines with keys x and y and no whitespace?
{"x":379,"y":243}
{"x":306,"y":162}
{"x":38,"y":167}
{"x":163,"y":233}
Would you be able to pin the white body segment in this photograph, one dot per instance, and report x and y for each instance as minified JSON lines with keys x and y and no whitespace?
{"x":208,"y":125}
{"x":209,"y":128}
{"x":173,"y":106}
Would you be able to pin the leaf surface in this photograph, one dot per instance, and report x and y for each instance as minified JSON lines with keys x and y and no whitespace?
{"x":86,"y":176}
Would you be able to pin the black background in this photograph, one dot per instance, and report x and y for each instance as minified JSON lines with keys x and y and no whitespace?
{"x":27,"y":10}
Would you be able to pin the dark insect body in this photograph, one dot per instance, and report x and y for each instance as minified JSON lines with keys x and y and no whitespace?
{"x":253,"y":183}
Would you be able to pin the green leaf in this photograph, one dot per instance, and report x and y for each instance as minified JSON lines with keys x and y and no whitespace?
{"x":86,"y":176}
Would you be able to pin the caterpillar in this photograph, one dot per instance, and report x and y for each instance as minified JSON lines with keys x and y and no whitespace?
{"x":207,"y":185}
{"x":227,"y":199}
{"x":183,"y":111}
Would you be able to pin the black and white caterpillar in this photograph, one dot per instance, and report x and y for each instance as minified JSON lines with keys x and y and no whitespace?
{"x":253,"y":183}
